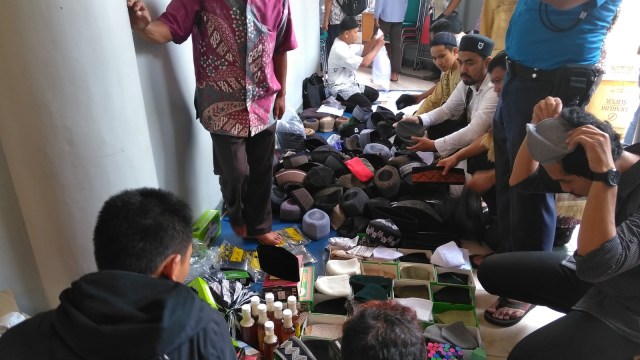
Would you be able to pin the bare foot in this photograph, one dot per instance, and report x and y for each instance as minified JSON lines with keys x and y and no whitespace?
{"x":394,"y":76}
{"x":271,"y":238}
{"x":240,"y":230}
{"x":504,"y":309}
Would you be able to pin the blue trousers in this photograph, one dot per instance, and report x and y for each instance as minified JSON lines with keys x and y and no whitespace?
{"x":525,"y":221}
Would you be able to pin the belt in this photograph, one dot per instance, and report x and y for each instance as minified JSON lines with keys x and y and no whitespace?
{"x":516,"y":69}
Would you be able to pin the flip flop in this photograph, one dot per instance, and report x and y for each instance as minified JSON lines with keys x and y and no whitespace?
{"x":476,"y":259}
{"x":503,"y":302}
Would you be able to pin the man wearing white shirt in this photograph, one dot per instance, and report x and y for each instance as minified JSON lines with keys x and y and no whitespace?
{"x":468,"y":113}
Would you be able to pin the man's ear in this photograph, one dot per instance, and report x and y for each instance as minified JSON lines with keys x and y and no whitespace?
{"x":487,"y":60}
{"x":170,"y":268}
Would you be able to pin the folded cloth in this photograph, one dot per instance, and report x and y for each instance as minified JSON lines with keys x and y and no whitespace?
{"x":341,"y":267}
{"x":468,"y":317}
{"x":336,"y":285}
{"x":371,"y":292}
{"x":359,"y":170}
{"x":422,"y":307}
{"x":294,"y":349}
{"x":411,"y":291}
{"x":448,"y":255}
{"x":452,"y":295}
{"x":457,"y":334}
{"x":358,"y":282}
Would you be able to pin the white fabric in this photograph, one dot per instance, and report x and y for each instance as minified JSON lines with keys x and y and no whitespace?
{"x":337,"y":285}
{"x":343,"y":267}
{"x":448,"y":255}
{"x":423,"y":307}
{"x":344,"y":60}
{"x":386,"y":253}
{"x":481,"y":109}
{"x":381,"y":70}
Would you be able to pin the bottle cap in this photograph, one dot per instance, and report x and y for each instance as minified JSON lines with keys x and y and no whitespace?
{"x":268,"y":325}
{"x":277,"y":305}
{"x":255,"y":300}
{"x":268,"y":297}
{"x":287,"y":313}
{"x":246,"y":309}
{"x":262,"y":307}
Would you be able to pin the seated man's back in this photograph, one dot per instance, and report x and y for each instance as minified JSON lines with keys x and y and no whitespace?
{"x":135,"y":306}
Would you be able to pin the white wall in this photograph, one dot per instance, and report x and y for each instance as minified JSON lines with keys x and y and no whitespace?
{"x":181,"y":148}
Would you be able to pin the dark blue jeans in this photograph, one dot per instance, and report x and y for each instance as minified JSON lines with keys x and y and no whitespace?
{"x":525,"y":221}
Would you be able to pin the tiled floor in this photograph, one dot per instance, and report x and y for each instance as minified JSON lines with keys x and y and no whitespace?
{"x":498,"y":342}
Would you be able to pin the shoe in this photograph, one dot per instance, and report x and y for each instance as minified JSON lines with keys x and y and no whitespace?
{"x":503,"y":302}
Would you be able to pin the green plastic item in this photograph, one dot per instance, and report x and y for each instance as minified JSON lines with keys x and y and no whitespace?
{"x":208,"y":227}
{"x":202,"y":288}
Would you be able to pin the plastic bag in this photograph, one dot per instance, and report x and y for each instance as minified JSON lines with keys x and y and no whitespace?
{"x":381,"y":68}
{"x":202,"y":259}
{"x":290,"y":132}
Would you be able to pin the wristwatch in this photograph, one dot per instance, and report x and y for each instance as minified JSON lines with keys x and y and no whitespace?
{"x":610,"y":177}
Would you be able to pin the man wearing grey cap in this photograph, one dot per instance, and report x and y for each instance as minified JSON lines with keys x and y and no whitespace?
{"x":571,"y":151}
{"x":472,"y":103}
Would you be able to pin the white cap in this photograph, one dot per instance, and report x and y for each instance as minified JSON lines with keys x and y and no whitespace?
{"x":262,"y":307}
{"x":246,"y":309}
{"x":255,"y":300}
{"x":268,"y":296}
{"x":287,"y":313}
{"x":268,"y":325}
{"x":277,"y":305}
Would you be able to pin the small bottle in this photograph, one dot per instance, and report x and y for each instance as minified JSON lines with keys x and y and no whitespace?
{"x":269,"y":299}
{"x":270,"y":342}
{"x":277,"y":320}
{"x":262,"y":319}
{"x":255,"y":301}
{"x":293,"y":306}
{"x":287,"y":327}
{"x":248,"y":327}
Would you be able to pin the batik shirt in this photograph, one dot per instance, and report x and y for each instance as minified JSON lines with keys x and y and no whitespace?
{"x":233,"y":46}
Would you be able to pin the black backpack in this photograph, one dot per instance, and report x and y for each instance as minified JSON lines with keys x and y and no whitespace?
{"x":312,"y":91}
{"x":353,"y":7}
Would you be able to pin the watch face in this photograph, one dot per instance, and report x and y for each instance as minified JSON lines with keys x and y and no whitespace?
{"x":613,"y":177}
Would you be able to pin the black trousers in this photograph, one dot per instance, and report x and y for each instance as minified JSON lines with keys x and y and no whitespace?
{"x":244,"y":167}
{"x":538,"y":277}
{"x":525,"y":221}
{"x":364,"y":99}
{"x":394,"y":29}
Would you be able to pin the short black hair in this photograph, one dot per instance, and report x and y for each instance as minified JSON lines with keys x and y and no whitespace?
{"x":576,"y":162}
{"x":445,"y":25}
{"x":383,"y":330}
{"x":138,"y":229}
{"x":500,"y":60}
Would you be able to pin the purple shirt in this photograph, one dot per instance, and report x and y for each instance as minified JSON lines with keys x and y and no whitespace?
{"x":233,"y":46}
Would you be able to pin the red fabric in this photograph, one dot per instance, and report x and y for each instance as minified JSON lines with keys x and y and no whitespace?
{"x":425,"y":37}
{"x":359,"y":170}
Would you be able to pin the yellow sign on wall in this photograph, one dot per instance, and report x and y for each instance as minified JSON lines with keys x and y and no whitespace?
{"x":615,"y":101}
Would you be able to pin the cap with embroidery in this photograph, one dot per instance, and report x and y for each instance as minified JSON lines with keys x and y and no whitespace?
{"x":476,"y":43}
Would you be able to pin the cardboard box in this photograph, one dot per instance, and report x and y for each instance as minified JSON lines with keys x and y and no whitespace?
{"x":386,"y":269}
{"x":207,"y":228}
{"x":280,"y":288}
{"x":417,"y":289}
{"x":413,"y":271}
{"x":306,"y":288}
{"x":324,"y":326}
{"x":468,"y":273}
{"x":468,"y":313}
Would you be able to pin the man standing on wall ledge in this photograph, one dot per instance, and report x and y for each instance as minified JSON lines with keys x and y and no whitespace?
{"x":240,"y":59}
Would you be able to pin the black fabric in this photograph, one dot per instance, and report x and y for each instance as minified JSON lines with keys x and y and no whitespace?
{"x":313,"y":91}
{"x":318,"y":178}
{"x":122,"y":315}
{"x":364,"y":99}
{"x":453,"y":278}
{"x":453,"y":295}
{"x":279,"y":262}
{"x":333,"y":306}
{"x":448,"y":127}
{"x":352,"y":8}
{"x":418,"y":257}
{"x":353,"y":226}
{"x":324,"y":349}
{"x":405,"y":100}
